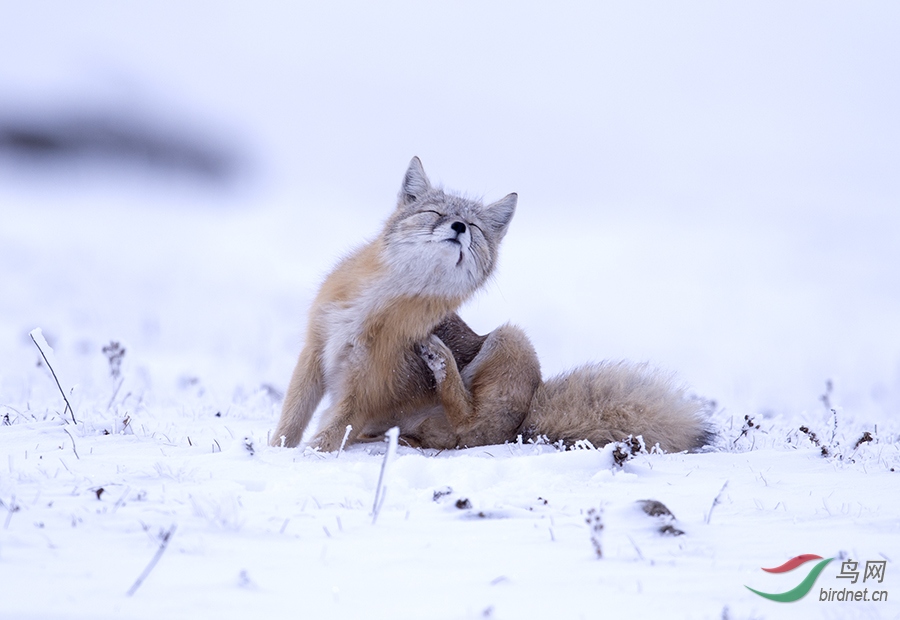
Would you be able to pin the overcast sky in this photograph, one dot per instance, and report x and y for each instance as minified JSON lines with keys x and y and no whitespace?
{"x":710,"y":185}
{"x":700,"y":105}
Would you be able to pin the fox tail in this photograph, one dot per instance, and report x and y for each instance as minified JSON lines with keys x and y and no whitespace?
{"x":608,"y":401}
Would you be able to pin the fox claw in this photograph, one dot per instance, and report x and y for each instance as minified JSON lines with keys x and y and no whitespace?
{"x":433,"y":353}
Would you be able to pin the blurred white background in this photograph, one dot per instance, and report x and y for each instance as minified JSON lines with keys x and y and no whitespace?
{"x":710,"y":187}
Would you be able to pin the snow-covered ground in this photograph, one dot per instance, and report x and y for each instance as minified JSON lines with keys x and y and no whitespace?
{"x":710,"y":190}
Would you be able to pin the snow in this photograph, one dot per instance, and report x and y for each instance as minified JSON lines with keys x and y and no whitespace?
{"x":712,"y":190}
{"x":273,"y":530}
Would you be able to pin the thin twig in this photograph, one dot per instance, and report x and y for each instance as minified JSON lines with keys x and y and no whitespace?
{"x":163,"y":543}
{"x":53,"y":372}
{"x":73,"y":444}
{"x":716,"y":502}
{"x":834,"y":428}
{"x":344,"y":440}
{"x":12,"y":508}
{"x":636,"y":548}
{"x":115,"y":393}
{"x":121,"y":500}
{"x":391,"y":438}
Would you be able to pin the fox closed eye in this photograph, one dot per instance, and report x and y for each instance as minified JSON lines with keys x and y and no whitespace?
{"x":463,"y":224}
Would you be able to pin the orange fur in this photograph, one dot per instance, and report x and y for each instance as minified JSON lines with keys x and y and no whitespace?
{"x":385,"y":342}
{"x":434,"y":252}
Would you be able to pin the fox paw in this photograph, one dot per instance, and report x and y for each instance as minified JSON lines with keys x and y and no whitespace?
{"x":434,"y":353}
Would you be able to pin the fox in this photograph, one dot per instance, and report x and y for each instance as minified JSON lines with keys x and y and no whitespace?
{"x":434,"y":252}
{"x":385,"y":342}
{"x":598,"y":403}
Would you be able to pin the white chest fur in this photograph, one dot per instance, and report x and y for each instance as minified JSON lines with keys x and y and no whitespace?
{"x":344,"y":323}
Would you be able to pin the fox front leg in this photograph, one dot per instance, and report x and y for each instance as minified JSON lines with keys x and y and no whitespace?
{"x":335,"y":419}
{"x":304,"y":393}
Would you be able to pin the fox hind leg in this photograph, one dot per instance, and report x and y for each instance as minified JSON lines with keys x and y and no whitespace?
{"x":502,"y":379}
{"x":487,"y":401}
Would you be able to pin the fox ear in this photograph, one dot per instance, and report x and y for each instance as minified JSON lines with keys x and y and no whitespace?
{"x":415,"y":183}
{"x":499,"y":214}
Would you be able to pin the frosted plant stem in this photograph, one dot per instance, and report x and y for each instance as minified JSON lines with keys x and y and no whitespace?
{"x":716,"y":502}
{"x":163,"y":543}
{"x":37,"y":337}
{"x":115,"y":393}
{"x":73,"y":444}
{"x":11,"y":509}
{"x":344,"y":440}
{"x":391,"y":438}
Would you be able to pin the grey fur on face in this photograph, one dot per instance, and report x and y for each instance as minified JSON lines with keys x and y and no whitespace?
{"x":435,"y":239}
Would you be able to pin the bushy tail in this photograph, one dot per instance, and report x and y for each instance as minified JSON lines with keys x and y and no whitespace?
{"x":609,"y":401}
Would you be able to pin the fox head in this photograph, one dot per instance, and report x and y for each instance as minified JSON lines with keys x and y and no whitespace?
{"x":440,"y":243}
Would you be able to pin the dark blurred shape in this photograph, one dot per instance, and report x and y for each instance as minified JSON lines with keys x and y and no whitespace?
{"x":67,"y":137}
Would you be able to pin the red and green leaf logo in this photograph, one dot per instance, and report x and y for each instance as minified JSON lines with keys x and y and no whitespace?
{"x":804,"y":587}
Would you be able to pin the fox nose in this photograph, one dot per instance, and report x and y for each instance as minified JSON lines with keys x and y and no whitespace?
{"x":458,"y":227}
